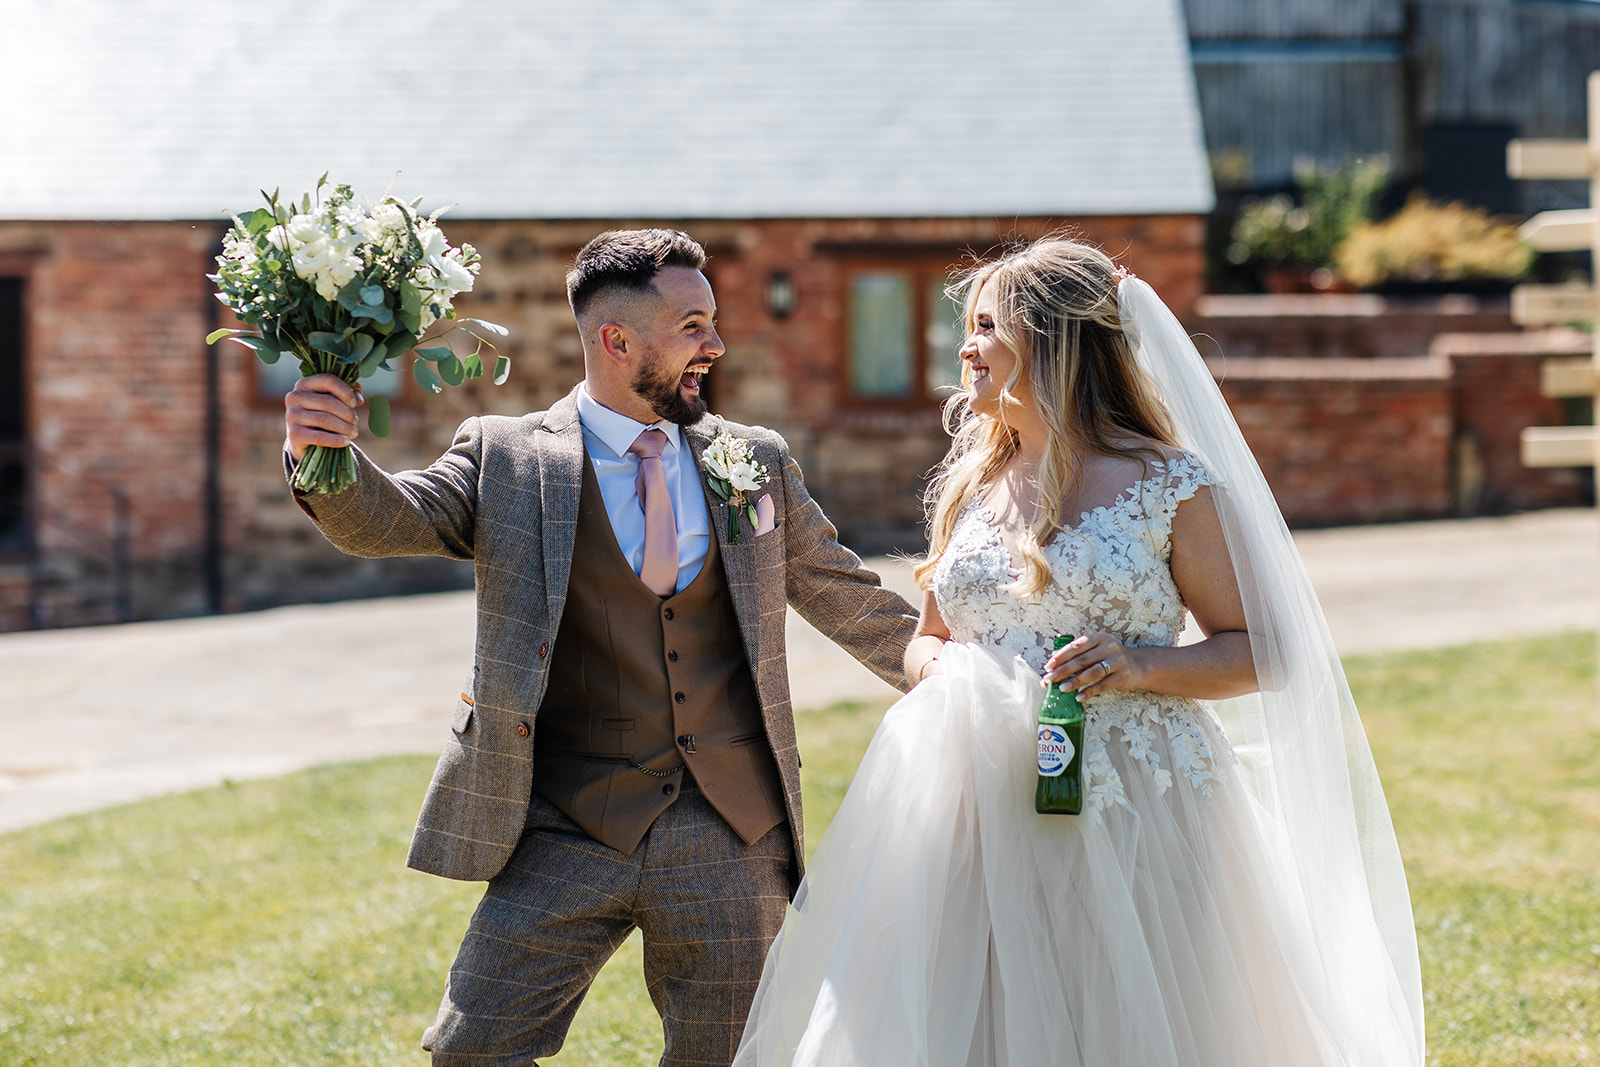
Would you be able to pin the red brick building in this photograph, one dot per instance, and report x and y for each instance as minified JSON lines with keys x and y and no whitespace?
{"x":837,"y":164}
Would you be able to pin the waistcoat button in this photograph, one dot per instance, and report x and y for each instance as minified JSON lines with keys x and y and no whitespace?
{"x":522,"y":729}
{"x":672,"y":657}
{"x":679,"y":697}
{"x":666,"y":613}
{"x":669,"y":789}
{"x":543,"y":649}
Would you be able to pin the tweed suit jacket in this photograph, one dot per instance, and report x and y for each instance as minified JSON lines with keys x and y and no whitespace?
{"x":506,"y":497}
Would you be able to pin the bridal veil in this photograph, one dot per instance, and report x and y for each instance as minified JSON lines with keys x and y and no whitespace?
{"x":1299,"y":739}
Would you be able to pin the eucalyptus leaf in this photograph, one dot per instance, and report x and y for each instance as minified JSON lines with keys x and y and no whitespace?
{"x":493,"y":327}
{"x":360,"y":345}
{"x":377,"y":314}
{"x":423,"y":373}
{"x":502,"y":370}
{"x":410,"y":298}
{"x":372,"y":360}
{"x":378,"y":415}
{"x":474,"y":365}
{"x":266,"y":350}
{"x":400,"y":343}
{"x":452,"y":371}
{"x":372,"y":294}
{"x":216,"y":335}
{"x":323,"y":341}
{"x":436,"y":353}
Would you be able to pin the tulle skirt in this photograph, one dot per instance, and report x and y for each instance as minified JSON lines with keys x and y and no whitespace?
{"x":944,"y":922}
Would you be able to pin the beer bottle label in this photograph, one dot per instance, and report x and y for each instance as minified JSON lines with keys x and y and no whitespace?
{"x":1055,"y":750}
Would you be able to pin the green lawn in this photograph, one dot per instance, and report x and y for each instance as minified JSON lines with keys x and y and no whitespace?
{"x":273,"y":922}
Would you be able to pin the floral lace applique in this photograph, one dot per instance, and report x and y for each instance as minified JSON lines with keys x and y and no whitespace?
{"x":1110,"y":573}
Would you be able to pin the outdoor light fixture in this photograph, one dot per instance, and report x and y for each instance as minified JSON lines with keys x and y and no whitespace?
{"x":780,"y":295}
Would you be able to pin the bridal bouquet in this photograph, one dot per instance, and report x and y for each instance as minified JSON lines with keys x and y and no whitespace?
{"x":344,"y":287}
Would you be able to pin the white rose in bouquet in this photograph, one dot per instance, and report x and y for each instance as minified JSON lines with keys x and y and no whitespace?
{"x":364,"y":283}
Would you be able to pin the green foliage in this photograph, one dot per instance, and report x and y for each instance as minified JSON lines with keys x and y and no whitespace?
{"x":425,"y":376}
{"x":273,"y":922}
{"x":1428,"y":241}
{"x":345,"y":287}
{"x":378,"y":415}
{"x":1332,"y":200}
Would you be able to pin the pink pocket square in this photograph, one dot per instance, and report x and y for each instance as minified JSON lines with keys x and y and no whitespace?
{"x":765,"y":515}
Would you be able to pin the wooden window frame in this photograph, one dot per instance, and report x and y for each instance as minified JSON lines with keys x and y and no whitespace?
{"x":922,"y":270}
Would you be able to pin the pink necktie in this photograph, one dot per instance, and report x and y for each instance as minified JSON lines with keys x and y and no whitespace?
{"x":659,"y":571}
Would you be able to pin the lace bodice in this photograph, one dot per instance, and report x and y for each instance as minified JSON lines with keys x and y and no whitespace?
{"x":1110,"y":573}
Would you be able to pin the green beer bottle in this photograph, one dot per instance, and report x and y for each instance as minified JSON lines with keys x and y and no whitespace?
{"x":1060,"y":788}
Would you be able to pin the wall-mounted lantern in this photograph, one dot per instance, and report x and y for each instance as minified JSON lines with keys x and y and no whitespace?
{"x":780,"y":295}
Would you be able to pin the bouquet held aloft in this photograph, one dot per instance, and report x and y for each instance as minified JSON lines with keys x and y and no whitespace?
{"x":345,"y":287}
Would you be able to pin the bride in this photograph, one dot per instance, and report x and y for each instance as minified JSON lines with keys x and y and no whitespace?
{"x":1232,"y":893}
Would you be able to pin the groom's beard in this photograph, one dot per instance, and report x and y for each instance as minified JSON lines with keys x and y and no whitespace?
{"x":664,"y":394}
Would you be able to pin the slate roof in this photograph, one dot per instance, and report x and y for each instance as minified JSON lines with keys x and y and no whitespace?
{"x":178,"y":109}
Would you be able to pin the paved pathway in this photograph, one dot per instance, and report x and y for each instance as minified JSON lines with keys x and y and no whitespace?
{"x":106,"y":715}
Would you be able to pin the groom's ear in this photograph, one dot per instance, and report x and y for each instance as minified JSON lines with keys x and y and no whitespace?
{"x":617,"y":342}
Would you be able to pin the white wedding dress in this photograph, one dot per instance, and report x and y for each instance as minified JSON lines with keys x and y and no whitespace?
{"x":944,"y":922}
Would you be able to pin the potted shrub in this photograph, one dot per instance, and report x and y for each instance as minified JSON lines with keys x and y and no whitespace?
{"x":1428,"y":247}
{"x":1291,"y":241}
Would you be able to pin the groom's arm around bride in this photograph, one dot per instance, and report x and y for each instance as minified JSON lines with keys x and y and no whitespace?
{"x":622,"y":753}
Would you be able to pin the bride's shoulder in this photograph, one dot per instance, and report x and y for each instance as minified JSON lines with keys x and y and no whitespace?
{"x":1164,"y":462}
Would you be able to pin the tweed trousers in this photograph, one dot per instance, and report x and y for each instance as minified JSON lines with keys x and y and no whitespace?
{"x":707,"y":904}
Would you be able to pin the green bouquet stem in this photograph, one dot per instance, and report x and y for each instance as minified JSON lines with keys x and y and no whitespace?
{"x":323,"y":469}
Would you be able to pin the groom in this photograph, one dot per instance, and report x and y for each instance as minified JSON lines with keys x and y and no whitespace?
{"x":623,"y":754}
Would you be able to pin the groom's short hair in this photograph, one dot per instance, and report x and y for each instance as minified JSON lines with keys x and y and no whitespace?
{"x":628,"y":259}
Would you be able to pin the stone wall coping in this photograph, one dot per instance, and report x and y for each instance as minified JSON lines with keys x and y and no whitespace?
{"x":1529,"y":343}
{"x":1423,"y":368}
{"x":1339,"y":305}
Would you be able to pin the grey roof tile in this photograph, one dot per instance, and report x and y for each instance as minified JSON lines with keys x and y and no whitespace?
{"x":130,"y":109}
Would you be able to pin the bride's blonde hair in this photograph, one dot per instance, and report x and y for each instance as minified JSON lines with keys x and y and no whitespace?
{"x":1056,"y":308}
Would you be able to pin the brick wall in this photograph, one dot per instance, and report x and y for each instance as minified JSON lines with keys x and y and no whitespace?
{"x":115,"y":321}
{"x":1496,"y":380}
{"x":1339,"y":325}
{"x":118,"y":314}
{"x":1344,"y":441}
{"x":1359,"y":408}
{"x":1365,"y":408}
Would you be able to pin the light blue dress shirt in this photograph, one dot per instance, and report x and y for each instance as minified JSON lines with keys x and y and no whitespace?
{"x":607,"y":436}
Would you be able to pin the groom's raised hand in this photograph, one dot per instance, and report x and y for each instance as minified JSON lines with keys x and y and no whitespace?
{"x":320,"y":410}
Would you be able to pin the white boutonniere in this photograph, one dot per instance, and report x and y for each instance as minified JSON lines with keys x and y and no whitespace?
{"x":731,"y":468}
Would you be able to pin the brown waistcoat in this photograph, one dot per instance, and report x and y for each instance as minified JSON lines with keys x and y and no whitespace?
{"x":663,"y":684}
